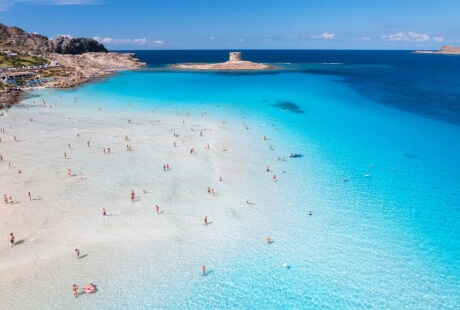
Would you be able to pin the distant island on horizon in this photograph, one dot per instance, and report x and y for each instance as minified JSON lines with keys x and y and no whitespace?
{"x":445,"y":50}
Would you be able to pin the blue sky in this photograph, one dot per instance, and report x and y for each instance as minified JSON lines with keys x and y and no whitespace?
{"x":243,"y":24}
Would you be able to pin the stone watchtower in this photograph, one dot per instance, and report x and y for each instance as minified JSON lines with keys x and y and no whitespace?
{"x":235,"y":56}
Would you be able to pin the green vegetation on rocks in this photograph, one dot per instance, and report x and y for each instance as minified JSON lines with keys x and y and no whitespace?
{"x":21,"y":61}
{"x":54,"y":72}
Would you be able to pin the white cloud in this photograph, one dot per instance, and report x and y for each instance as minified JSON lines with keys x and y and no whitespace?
{"x":267,"y":40}
{"x":70,"y":2}
{"x":65,"y":36}
{"x":324,"y":35}
{"x":211,"y":38}
{"x":6,"y":4}
{"x":438,"y":39}
{"x":140,"y":41}
{"x":102,"y":40}
{"x":411,"y":36}
{"x":364,"y":38}
{"x":241,"y":40}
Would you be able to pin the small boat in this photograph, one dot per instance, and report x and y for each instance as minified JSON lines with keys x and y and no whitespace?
{"x":295,"y":155}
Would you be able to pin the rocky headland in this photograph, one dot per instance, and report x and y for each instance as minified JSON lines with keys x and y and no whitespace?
{"x":73,"y":61}
{"x":91,"y":65}
{"x":446,"y":50}
{"x":17,"y":39}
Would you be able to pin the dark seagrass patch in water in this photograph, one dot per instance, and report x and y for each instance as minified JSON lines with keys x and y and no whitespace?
{"x":289,"y":106}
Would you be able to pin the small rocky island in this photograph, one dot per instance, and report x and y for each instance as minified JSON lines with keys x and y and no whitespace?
{"x":445,"y":50}
{"x":234,"y":63}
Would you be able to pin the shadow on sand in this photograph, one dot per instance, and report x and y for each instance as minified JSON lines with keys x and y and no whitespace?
{"x":19,"y":242}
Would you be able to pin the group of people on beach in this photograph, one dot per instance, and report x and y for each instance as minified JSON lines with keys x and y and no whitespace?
{"x":91,"y":287}
{"x":8,"y":200}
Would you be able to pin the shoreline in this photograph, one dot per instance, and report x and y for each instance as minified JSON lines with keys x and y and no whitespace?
{"x":62,"y":207}
{"x":80,"y":69}
{"x":134,"y":251}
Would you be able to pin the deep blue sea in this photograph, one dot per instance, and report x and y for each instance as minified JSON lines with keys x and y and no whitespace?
{"x":427,"y":85}
{"x":380,"y":136}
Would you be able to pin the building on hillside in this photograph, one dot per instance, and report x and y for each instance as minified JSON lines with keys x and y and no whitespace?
{"x":12,"y":76}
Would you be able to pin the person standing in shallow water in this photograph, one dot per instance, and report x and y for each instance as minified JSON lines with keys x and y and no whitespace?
{"x":203,"y":270}
{"x":75,"y":290}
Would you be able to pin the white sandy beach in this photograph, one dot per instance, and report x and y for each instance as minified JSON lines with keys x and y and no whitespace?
{"x":42,"y":264}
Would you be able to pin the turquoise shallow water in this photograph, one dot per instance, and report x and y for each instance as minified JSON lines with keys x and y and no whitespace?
{"x":386,"y":238}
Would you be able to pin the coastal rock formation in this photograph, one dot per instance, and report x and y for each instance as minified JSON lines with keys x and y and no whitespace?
{"x":234,"y":63}
{"x":9,"y":97}
{"x":73,"y":61}
{"x":84,"y":67}
{"x":449,"y":50}
{"x":16,"y":38}
{"x":446,"y":50}
{"x":64,"y":45}
{"x":80,"y":69}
